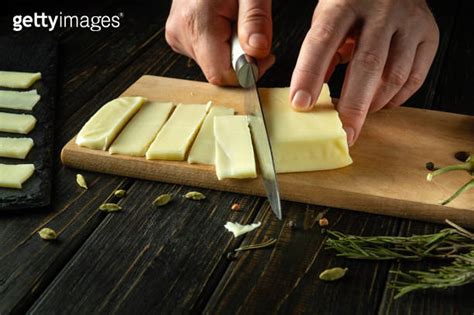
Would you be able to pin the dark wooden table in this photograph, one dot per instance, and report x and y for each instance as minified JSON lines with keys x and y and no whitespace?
{"x":172,"y":260}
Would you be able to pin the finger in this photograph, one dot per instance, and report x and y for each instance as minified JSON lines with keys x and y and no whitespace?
{"x":343,"y":55}
{"x":255,"y":27}
{"x":174,"y":41}
{"x":423,"y":59}
{"x":330,"y":27}
{"x":212,"y":53}
{"x":265,"y":64}
{"x":397,"y":69}
{"x":362,"y":78}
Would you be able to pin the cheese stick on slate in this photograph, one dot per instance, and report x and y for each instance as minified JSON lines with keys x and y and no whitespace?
{"x":19,"y":100}
{"x":18,"y":80}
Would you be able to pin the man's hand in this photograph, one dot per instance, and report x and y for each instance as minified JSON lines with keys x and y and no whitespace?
{"x":389,"y":44}
{"x":202,"y":30}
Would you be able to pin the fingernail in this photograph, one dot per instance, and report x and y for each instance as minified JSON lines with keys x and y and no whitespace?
{"x":258,"y":41}
{"x":301,"y":100}
{"x":350,"y":135}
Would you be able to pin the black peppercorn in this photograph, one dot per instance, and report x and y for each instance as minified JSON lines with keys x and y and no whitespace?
{"x":462,"y":156}
{"x":430,"y":166}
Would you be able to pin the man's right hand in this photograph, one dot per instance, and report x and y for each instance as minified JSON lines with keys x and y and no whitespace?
{"x":202,"y":30}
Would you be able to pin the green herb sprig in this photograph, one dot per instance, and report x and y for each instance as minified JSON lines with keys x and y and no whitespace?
{"x":467,"y":166}
{"x":445,"y":244}
{"x":455,"y":244}
{"x":458,"y":273}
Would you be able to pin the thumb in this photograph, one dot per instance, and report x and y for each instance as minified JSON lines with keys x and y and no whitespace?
{"x":255,"y":27}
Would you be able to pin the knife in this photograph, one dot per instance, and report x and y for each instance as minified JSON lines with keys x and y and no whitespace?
{"x":247,"y":73}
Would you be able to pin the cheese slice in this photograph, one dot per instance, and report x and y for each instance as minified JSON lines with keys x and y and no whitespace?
{"x":18,"y":80}
{"x":17,"y":148}
{"x":19,"y":100}
{"x":234,"y":151}
{"x":13,"y":176}
{"x":304,"y":141}
{"x":102,"y":128}
{"x":138,"y":134}
{"x":203,"y":149}
{"x":174,"y":139}
{"x":17,"y":123}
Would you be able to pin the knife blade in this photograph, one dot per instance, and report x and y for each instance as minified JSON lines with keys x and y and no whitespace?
{"x":247,"y":73}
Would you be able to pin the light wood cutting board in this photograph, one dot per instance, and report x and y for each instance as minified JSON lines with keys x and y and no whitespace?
{"x":388,"y":175}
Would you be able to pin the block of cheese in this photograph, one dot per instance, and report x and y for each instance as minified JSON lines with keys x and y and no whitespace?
{"x":17,"y":123}
{"x":203,"y":149}
{"x":13,"y":176}
{"x":304,"y":141}
{"x":102,"y":128}
{"x":234,"y":150}
{"x":174,"y":139}
{"x":19,"y":100}
{"x":18,"y":80}
{"x":138,"y":134}
{"x":17,"y":148}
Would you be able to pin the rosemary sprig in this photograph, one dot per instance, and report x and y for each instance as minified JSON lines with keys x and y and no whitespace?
{"x":445,"y":244}
{"x":454,"y":243}
{"x":458,"y":273}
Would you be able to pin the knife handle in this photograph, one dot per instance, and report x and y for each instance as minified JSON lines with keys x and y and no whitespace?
{"x":245,"y":66}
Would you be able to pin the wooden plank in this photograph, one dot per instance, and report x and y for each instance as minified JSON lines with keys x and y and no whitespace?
{"x":28,"y":263}
{"x":284,"y":279}
{"x":387,"y":177}
{"x":151,"y":260}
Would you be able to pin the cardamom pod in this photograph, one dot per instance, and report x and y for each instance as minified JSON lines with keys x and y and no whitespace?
{"x":195,"y":195}
{"x":110,"y":207}
{"x":81,"y":181}
{"x":48,"y":234}
{"x":333,"y":274}
{"x":120,"y":193}
{"x":162,"y":200}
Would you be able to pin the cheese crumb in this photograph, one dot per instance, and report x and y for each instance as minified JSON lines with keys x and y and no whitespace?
{"x":239,"y":229}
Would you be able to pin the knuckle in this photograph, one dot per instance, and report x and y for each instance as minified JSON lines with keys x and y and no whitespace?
{"x":321,"y":33}
{"x":170,"y":34}
{"x":434,"y":33}
{"x":354,"y":111}
{"x":188,"y":22}
{"x":393,"y":104}
{"x":396,"y":77}
{"x":256,"y":14}
{"x":370,"y":60}
{"x":415,"y":80}
{"x":215,"y":79}
{"x":309,"y":74}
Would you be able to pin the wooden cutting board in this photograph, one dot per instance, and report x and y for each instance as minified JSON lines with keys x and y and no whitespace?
{"x":388,"y":175}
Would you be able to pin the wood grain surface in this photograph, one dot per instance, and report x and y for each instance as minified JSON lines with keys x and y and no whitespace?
{"x":388,"y":175}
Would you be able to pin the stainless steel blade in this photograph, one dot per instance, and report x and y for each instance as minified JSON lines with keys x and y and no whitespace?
{"x":262,"y":145}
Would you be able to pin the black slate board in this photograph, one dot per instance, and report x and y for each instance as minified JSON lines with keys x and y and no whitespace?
{"x":37,"y":54}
